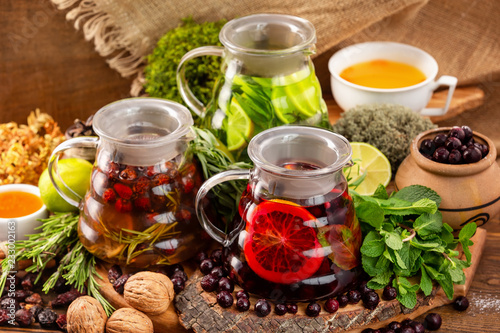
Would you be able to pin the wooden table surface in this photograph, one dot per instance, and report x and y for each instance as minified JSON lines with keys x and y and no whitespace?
{"x":45,"y":63}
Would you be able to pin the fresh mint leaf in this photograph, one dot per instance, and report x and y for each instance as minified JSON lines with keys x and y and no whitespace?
{"x":457,"y":275}
{"x":464,"y":238}
{"x":393,"y":240}
{"x":447,"y":237}
{"x":396,"y":219}
{"x":447,"y":284}
{"x":374,"y":266}
{"x":418,"y":207}
{"x":433,"y":273}
{"x":408,"y":300}
{"x":371,"y":236}
{"x":380,"y":192}
{"x":433,"y":258}
{"x":414,"y":193}
{"x":380,"y":281}
{"x":389,"y":227}
{"x":371,"y":213}
{"x":425,"y":282}
{"x":424,"y":244}
{"x":407,"y":294}
{"x":373,"y":248}
{"x":399,"y":261}
{"x":467,"y":231}
{"x":415,"y":259}
{"x":428,"y":224}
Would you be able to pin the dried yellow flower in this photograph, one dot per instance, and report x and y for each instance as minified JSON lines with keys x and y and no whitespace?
{"x":25,"y":149}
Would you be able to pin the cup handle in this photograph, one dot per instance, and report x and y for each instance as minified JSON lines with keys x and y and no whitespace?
{"x":187,"y":95}
{"x":444,"y":80}
{"x":224,"y":238}
{"x":81,"y":142}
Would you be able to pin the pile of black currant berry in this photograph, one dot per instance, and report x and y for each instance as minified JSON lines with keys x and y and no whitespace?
{"x":456,"y":147}
{"x":432,"y":322}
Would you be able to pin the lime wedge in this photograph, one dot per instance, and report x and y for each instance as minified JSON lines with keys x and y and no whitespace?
{"x":305,"y":96}
{"x":240,"y":127}
{"x":283,"y":106}
{"x":371,"y":161}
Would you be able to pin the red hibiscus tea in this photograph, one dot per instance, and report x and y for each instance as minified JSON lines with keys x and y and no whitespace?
{"x":296,"y":250}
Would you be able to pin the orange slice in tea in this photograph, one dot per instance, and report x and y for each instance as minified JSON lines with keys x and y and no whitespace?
{"x":281,"y":245}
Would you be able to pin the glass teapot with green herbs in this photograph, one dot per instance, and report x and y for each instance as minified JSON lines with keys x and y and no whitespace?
{"x":267,"y":79}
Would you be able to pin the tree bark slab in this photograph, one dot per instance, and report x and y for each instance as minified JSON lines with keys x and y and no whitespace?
{"x":199,"y":311}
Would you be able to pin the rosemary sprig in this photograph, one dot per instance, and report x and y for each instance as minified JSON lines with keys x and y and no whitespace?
{"x":215,"y":158}
{"x":131,"y":239}
{"x":77,"y":267}
{"x":58,"y":238}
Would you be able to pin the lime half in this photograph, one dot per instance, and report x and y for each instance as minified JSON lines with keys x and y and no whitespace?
{"x":240,"y":127}
{"x":368,"y":159}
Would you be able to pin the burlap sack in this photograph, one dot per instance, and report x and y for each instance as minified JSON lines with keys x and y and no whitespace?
{"x":462,"y":35}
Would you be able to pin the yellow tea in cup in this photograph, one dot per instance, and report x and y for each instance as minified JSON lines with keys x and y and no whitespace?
{"x":18,"y":204}
{"x":383,"y":74}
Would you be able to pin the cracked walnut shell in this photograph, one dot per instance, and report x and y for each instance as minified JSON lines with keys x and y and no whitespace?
{"x":128,"y":320}
{"x":149,"y":292}
{"x":86,"y":315}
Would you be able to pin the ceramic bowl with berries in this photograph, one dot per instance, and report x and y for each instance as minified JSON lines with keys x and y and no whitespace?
{"x":460,"y":165}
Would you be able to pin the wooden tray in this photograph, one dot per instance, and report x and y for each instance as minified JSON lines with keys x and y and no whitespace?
{"x":464,"y":98}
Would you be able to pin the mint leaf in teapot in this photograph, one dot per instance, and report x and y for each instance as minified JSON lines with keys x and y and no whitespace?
{"x":404,"y":237}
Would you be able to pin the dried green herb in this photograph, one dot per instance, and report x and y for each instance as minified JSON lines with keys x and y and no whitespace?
{"x":389,"y":127}
{"x":201,"y":73}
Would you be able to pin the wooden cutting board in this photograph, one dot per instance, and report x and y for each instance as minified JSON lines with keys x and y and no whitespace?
{"x":199,"y":312}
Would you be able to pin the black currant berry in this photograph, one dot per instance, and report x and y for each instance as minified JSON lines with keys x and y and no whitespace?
{"x":433,"y":321}
{"x":389,"y":293}
{"x":313,"y":309}
{"x":280,"y":309}
{"x":209,"y":283}
{"x":461,"y":303}
{"x":262,"y":308}
{"x":206,"y":266}
{"x":292,"y":308}
{"x":354,"y":296}
{"x":242,"y":304}
{"x":331,"y":305}
{"x":343,"y":300}
{"x":225,"y":299}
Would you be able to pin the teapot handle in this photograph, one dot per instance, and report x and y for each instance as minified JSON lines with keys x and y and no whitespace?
{"x":187,"y":95}
{"x":81,"y":142}
{"x":224,"y":238}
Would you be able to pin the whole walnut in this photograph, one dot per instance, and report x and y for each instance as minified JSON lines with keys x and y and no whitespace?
{"x":86,"y":315}
{"x":128,"y":320}
{"x":149,"y":292}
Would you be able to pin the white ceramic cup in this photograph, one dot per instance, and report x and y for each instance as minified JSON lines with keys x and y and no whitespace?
{"x":416,"y":97}
{"x":18,"y":227}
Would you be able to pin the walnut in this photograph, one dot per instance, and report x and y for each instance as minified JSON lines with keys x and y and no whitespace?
{"x":86,"y":315}
{"x":128,"y":320}
{"x":149,"y":292}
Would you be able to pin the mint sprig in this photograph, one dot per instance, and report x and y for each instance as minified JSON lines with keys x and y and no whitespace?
{"x":404,"y":236}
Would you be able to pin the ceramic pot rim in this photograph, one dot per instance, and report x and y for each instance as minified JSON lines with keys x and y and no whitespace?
{"x":452,"y":170}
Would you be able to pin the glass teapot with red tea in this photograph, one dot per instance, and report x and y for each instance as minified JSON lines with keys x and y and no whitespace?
{"x":298,"y":237}
{"x":139,"y":210}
